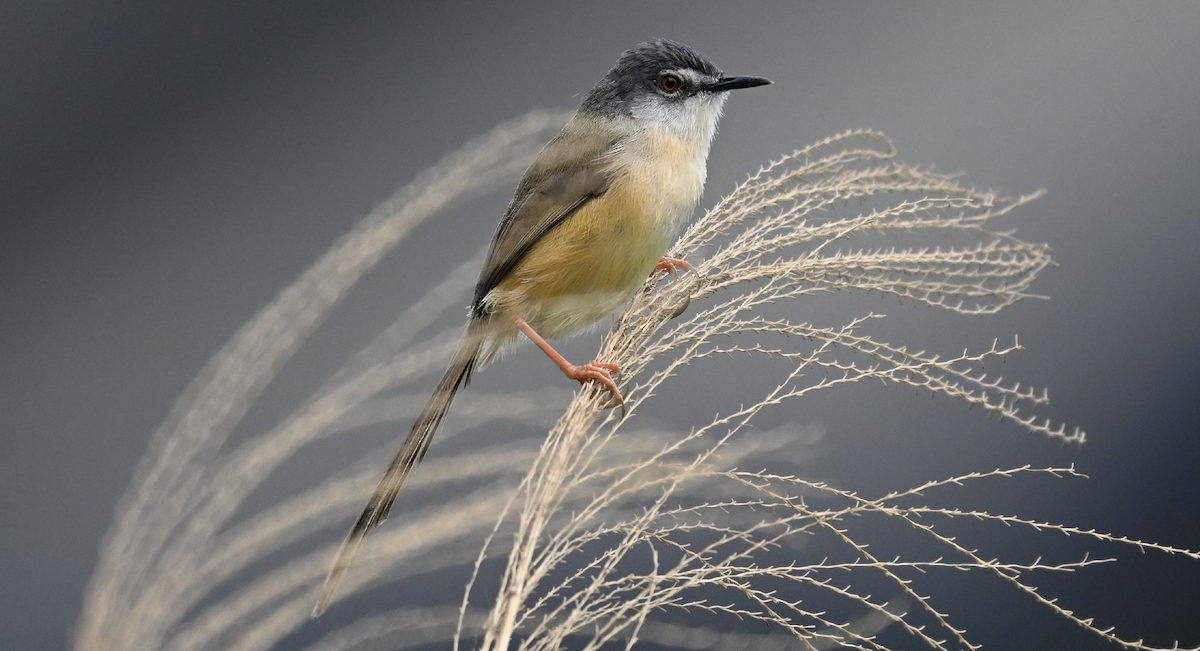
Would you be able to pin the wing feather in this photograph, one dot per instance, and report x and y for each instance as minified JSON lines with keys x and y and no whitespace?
{"x":571,"y":171}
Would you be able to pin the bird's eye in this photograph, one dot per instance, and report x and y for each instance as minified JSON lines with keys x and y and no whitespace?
{"x":670,"y":83}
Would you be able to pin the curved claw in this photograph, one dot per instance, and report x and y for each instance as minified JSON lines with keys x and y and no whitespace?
{"x":613,"y":369}
{"x":672,"y":265}
{"x":601,"y":372}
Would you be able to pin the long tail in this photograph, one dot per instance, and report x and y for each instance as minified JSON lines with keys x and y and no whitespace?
{"x":410,"y":454}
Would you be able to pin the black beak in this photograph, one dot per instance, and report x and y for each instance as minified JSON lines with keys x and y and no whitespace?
{"x":733,"y":83}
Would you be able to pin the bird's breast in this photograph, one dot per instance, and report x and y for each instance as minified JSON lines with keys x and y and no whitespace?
{"x":665,"y":173}
{"x":594,"y":260}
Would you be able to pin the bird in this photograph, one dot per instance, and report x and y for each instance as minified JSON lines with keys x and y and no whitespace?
{"x":591,"y":219}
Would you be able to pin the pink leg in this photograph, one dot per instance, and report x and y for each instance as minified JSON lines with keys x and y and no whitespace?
{"x":601,"y":372}
{"x":672,"y":265}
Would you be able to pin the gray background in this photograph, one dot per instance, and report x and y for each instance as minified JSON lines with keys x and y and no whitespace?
{"x":167,"y":168}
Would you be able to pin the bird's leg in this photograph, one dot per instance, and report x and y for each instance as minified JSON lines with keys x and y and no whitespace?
{"x":672,"y":265}
{"x":601,"y":372}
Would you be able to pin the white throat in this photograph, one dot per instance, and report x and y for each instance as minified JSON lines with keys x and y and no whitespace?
{"x":693,"y":120}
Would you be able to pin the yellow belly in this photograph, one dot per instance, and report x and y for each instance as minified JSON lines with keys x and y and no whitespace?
{"x":593,"y":261}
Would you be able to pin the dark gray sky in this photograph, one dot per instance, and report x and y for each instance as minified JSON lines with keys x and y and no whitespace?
{"x":167,"y":168}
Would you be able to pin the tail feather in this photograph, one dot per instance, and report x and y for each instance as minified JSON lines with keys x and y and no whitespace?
{"x":412,"y":450}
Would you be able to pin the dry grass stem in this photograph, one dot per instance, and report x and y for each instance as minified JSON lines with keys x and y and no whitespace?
{"x":611,"y":532}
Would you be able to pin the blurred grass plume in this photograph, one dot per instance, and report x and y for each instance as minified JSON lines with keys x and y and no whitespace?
{"x":610,"y":532}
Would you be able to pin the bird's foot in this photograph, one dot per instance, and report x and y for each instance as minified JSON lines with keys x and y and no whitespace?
{"x":602,"y":373}
{"x":672,"y":265}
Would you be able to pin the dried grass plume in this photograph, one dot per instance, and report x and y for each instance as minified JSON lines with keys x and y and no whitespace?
{"x":606,"y":533}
